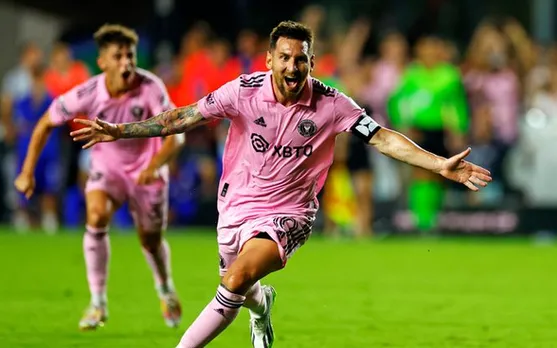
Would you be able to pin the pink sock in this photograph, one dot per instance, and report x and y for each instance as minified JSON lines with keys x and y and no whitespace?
{"x":160,"y":265}
{"x":96,"y":249}
{"x":255,"y":300}
{"x":216,"y":317}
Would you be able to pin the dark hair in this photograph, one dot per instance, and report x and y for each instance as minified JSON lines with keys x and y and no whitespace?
{"x":115,"y":34}
{"x":291,"y":30}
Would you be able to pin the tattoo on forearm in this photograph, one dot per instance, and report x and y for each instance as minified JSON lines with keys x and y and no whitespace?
{"x":169,"y":122}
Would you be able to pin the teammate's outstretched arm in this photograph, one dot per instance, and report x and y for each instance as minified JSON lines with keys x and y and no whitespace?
{"x":397,"y":146}
{"x":25,"y":182}
{"x":173,"y":121}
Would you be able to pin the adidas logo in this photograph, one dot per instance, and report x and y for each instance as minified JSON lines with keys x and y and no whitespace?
{"x":221,"y":312}
{"x":260,"y":121}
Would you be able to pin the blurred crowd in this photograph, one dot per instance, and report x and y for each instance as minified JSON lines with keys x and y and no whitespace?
{"x":497,"y":94}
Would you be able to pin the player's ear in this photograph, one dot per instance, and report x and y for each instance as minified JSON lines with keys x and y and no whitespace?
{"x":312,"y":63}
{"x":101,"y":59}
{"x":269,"y":60}
{"x":101,"y":62}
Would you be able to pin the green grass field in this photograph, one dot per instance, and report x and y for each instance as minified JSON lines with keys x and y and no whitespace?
{"x":389,"y":293}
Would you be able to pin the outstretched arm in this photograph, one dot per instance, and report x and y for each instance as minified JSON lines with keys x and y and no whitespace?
{"x":397,"y":146}
{"x":169,"y":122}
{"x":350,"y":117}
{"x":219,"y":104}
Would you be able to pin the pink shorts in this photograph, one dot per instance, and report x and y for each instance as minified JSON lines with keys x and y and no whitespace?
{"x":289,"y":232}
{"x":148,"y":203}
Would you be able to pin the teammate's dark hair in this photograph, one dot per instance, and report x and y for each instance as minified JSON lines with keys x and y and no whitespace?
{"x":291,"y":30}
{"x":115,"y":34}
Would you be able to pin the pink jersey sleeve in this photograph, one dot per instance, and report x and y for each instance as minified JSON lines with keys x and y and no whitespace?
{"x":71,"y":104}
{"x":350,"y":117}
{"x":222,"y":103}
{"x":159,"y":98}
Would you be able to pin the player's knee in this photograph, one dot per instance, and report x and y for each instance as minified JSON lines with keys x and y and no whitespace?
{"x":238,"y":281}
{"x":150,"y":241}
{"x":97,"y":218}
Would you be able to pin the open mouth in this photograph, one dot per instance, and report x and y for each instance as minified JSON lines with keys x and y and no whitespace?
{"x":126,"y":75}
{"x":291,"y":82}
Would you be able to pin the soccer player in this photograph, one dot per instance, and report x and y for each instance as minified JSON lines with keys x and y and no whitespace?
{"x":133,"y":170}
{"x":279,"y":149}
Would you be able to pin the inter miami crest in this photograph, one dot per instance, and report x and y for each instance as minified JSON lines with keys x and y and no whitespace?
{"x":307,"y":128}
{"x":137,"y":112}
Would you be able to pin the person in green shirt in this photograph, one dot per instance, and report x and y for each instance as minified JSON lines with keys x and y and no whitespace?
{"x":430,"y":105}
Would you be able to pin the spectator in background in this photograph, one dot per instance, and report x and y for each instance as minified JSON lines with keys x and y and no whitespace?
{"x":353,"y":77}
{"x":494,"y":90}
{"x":249,"y":53}
{"x":205,"y":61}
{"x":194,"y":61}
{"x":381,"y":76}
{"x":351,"y":156}
{"x":384,"y":74}
{"x":533,"y":164}
{"x":201,"y":58}
{"x":221,"y":65}
{"x":314,"y":16}
{"x":64,"y":72}
{"x":15,"y":84}
{"x":545,"y":99}
{"x":249,"y":58}
{"x":341,"y":211}
{"x":326,"y":48}
{"x":27,"y":111}
{"x":430,"y":105}
{"x":449,"y":52}
{"x":540,"y":76}
{"x":522,"y":52}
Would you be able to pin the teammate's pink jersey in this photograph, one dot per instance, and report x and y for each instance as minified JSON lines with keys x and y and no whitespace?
{"x":92,"y":99}
{"x":276,"y":158}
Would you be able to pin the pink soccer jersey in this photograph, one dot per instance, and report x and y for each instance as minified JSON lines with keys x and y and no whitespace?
{"x":92,"y":99}
{"x":276,"y":158}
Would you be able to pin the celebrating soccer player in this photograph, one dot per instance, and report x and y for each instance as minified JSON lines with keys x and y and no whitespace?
{"x":279,"y":149}
{"x":133,"y":170}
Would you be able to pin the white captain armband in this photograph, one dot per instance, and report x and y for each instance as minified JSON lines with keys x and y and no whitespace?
{"x":365,"y":128}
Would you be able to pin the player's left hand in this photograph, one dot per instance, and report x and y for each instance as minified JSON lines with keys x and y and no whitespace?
{"x":148,"y":176}
{"x":469,"y":174}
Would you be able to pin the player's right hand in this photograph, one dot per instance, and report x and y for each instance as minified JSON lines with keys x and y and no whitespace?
{"x":25,"y":183}
{"x":469,"y":174}
{"x":96,"y":131}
